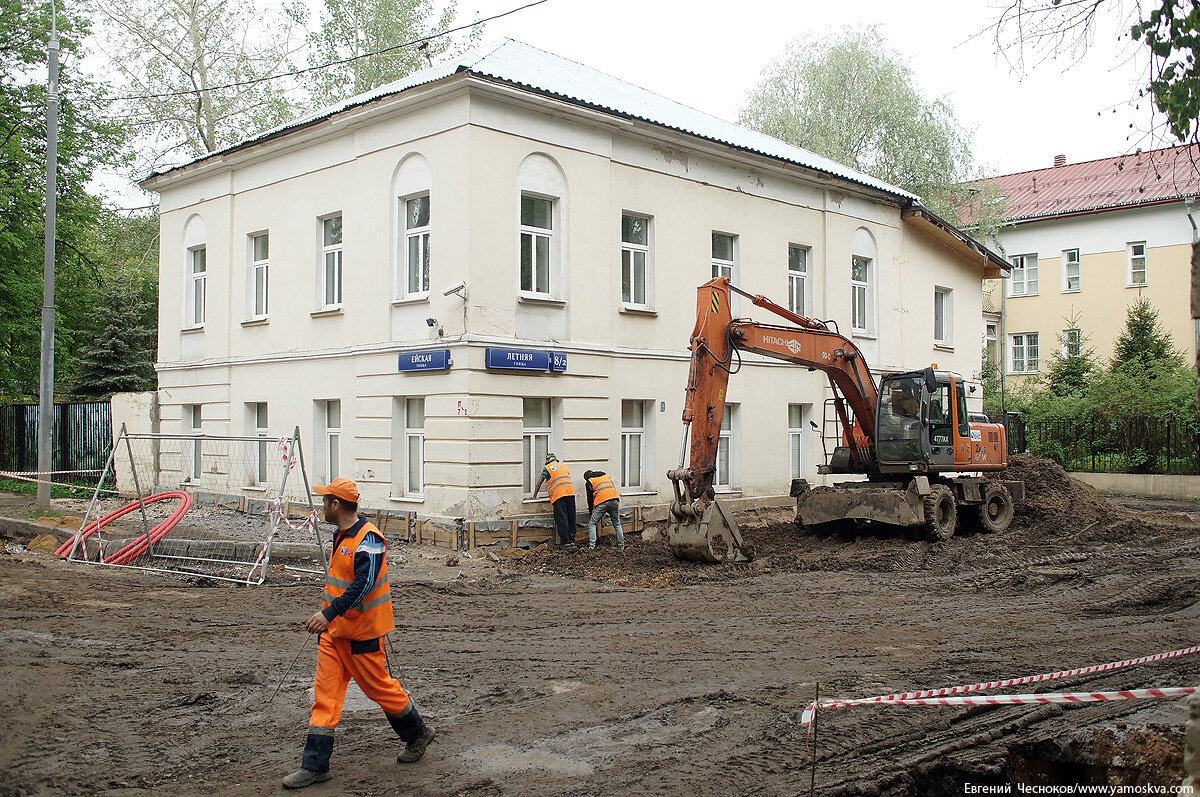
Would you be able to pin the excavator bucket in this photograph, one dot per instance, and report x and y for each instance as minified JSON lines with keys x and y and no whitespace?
{"x":706,"y":532}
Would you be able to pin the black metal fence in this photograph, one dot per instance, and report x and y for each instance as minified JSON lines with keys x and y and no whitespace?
{"x":81,"y":439}
{"x":1099,"y":445}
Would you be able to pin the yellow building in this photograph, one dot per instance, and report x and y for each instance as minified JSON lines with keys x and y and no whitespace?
{"x":1086,"y":240}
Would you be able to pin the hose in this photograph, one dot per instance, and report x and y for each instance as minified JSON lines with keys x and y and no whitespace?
{"x":139,"y":545}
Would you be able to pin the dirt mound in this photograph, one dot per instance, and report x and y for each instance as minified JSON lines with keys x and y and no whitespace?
{"x":649,"y":565}
{"x":1054,"y":502}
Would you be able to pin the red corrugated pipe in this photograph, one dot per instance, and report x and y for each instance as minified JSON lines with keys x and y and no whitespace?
{"x":137,"y":546}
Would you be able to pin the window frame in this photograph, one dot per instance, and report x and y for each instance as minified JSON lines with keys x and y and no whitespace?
{"x":253,"y":282}
{"x":866,"y":287}
{"x":532,"y":467}
{"x":796,"y":441}
{"x":1027,"y":338}
{"x":257,"y":418}
{"x":331,"y":439}
{"x":1130,"y":257}
{"x":1024,"y":269}
{"x":630,"y":249}
{"x":423,"y":235}
{"x":628,"y":436}
{"x":1072,"y":343}
{"x":534,"y":233}
{"x":195,"y":419}
{"x":947,"y":320}
{"x":327,"y":249}
{"x":720,"y":265}
{"x":1066,"y":277}
{"x":197,"y":288}
{"x":725,"y":438}
{"x":798,"y":284}
{"x":411,"y":433}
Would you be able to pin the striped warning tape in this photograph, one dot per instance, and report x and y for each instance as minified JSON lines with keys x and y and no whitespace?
{"x":936,"y":696}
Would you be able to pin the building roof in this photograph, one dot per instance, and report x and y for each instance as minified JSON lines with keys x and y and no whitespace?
{"x":519,"y":64}
{"x":1143,"y":178}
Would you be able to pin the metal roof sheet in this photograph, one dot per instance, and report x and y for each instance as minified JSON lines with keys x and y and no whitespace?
{"x":1153,"y":176}
{"x":522,"y":65}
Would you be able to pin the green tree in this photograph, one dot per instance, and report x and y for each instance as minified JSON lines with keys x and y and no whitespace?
{"x":86,"y":142}
{"x":350,"y":29}
{"x":194,"y":70}
{"x":1069,"y":365}
{"x":1170,"y":30}
{"x":1143,"y":343}
{"x":853,"y":99}
{"x":118,"y":355}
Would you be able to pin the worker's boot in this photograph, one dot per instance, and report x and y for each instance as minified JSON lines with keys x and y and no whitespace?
{"x":416,"y":748}
{"x":304,"y":777}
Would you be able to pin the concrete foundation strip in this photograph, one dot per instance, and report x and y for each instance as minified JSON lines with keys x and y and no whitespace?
{"x":934,"y":697}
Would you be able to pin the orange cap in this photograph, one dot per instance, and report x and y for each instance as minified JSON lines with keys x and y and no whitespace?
{"x":344,"y":489}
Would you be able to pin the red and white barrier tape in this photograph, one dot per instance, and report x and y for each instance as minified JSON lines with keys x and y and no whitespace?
{"x":934,"y":696}
{"x":11,"y":473}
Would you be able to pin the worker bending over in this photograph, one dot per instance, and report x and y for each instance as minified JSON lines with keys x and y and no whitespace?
{"x":356,"y":614}
{"x":603,"y":499}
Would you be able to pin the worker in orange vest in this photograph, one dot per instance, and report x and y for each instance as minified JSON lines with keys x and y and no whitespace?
{"x":603,"y":499}
{"x":355,"y":616}
{"x":557,"y":477}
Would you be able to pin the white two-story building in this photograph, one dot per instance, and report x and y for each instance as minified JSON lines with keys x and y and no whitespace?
{"x":442,"y":280}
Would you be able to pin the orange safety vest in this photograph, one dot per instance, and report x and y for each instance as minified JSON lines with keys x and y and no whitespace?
{"x":372,"y":617}
{"x":560,"y":481}
{"x":603,"y":489}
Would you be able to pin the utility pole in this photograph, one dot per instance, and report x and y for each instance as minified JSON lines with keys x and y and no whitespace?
{"x":46,"y":385}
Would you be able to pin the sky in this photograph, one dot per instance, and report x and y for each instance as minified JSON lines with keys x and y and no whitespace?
{"x":709,"y":55}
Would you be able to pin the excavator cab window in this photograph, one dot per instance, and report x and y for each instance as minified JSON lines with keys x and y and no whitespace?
{"x":939,"y":418}
{"x":898,"y":435}
{"x":964,"y":422}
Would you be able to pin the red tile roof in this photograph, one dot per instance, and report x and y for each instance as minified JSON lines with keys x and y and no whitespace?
{"x":1159,"y":175}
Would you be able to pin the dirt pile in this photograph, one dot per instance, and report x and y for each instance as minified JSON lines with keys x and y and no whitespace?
{"x":1053,"y":500}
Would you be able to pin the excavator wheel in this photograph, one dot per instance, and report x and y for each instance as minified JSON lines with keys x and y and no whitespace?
{"x":941,"y":512}
{"x":996,"y":511}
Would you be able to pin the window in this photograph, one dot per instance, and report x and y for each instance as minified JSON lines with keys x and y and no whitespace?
{"x":1070,"y":259}
{"x":256,"y":415}
{"x":1137,"y":262}
{"x":537,"y":239}
{"x":1024,"y":350}
{"x":1072,"y":343}
{"x":943,"y":317}
{"x":797,"y":279}
{"x":331,"y":262}
{"x":259,"y":270}
{"x":635,"y":260}
{"x":796,"y":439}
{"x":414,"y":446}
{"x":723,"y":255}
{"x":723,"y":478}
{"x":861,"y":319}
{"x":990,"y":342}
{"x":416,"y":245}
{"x":535,"y":439}
{"x":1024,"y":275}
{"x":198,"y":268}
{"x":331,"y":436}
{"x":633,"y":435}
{"x":192,"y":453}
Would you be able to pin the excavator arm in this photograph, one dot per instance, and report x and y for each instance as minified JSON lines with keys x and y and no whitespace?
{"x":700,"y":528}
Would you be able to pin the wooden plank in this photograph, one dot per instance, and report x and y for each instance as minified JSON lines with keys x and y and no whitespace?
{"x":470,"y":535}
{"x":512,"y":533}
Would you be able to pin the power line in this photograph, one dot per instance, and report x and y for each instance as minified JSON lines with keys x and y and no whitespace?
{"x":255,"y":81}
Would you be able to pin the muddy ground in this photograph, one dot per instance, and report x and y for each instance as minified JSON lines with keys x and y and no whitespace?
{"x":589,"y":673}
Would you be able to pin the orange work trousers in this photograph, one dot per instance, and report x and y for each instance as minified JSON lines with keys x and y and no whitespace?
{"x":336,"y":665}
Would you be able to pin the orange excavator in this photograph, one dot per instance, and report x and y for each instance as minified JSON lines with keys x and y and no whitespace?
{"x":926,"y":464}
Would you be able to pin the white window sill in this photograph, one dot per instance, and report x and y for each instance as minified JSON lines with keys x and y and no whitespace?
{"x":256,"y":488}
{"x":528,"y":500}
{"x":257,"y":322}
{"x":1072,"y":290}
{"x":728,"y":491}
{"x":416,"y":298}
{"x":943,"y":347}
{"x":191,"y":330}
{"x":540,"y":298}
{"x":1138,"y":285}
{"x":1020,"y":295}
{"x":638,"y":492}
{"x":407,"y":499}
{"x":637,"y":309}
{"x":862,"y":333}
{"x":325,"y":312}
{"x":1022,"y":373}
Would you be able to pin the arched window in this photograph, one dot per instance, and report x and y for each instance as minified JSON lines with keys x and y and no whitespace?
{"x":542,"y":262}
{"x":864,"y":278}
{"x":411,"y":221}
{"x":195,"y":273}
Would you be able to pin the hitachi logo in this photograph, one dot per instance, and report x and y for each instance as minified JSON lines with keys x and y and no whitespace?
{"x":791,"y":344}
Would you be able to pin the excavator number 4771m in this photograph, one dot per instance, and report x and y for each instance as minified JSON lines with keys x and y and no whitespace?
{"x":926,"y":463}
